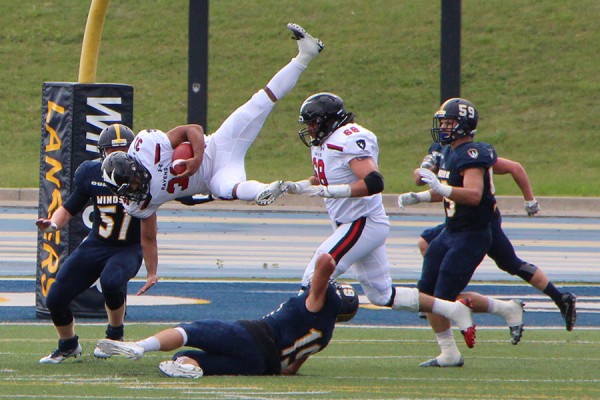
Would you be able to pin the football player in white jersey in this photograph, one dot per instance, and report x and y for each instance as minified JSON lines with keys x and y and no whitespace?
{"x":345,"y":162}
{"x":144,"y":177}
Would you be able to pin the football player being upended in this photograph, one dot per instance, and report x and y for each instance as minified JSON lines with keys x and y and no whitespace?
{"x":145,"y":180}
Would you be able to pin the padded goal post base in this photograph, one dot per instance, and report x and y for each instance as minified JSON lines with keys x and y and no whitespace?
{"x":73,"y":115}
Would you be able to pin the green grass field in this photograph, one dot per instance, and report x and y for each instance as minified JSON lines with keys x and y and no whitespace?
{"x":529,"y":66}
{"x":359,"y":363}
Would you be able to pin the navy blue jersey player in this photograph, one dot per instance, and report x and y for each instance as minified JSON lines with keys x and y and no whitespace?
{"x":464,"y":183}
{"x":501,"y":249}
{"x":277,"y":344}
{"x":111,"y":252}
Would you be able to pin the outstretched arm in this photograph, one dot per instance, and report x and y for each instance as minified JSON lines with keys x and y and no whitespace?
{"x":369,"y":182}
{"x":59,"y":219}
{"x":150,"y":249}
{"x":324,"y":267}
{"x":505,"y":166}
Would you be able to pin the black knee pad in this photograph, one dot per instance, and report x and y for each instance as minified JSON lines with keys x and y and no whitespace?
{"x":114,"y":300}
{"x":61,"y":316}
{"x":526,"y":271}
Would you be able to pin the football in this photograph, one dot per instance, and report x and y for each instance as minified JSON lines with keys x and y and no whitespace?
{"x":180,"y":154}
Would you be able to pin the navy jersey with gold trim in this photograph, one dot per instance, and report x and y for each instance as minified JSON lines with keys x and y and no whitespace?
{"x":111,"y":223}
{"x":297,"y":331}
{"x":461,"y":217}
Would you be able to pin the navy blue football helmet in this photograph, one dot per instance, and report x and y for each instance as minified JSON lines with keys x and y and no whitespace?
{"x":350,"y":301}
{"x":114,"y":136}
{"x":461,"y":110}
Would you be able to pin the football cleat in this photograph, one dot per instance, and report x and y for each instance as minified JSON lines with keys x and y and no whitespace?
{"x":568,"y":310}
{"x":59,"y":355}
{"x":515,"y":316}
{"x":515,"y":322}
{"x":271,"y":193}
{"x":306,"y":43}
{"x":175,"y":369}
{"x":130,"y":350}
{"x":98,"y":353}
{"x":435,"y":363}
{"x":469,"y":335}
{"x":516,"y":332}
{"x":465,"y":322}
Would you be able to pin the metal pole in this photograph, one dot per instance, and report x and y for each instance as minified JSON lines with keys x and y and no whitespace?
{"x":198,"y":63}
{"x":450,"y":50}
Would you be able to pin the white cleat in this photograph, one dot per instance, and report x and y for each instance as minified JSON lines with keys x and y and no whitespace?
{"x":271,"y":193}
{"x":439,"y":362}
{"x":114,"y":347}
{"x":98,"y":353}
{"x":306,"y":43}
{"x":175,"y":369}
{"x":58,"y":355}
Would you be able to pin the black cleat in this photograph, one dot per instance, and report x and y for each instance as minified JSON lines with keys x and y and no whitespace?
{"x":516,"y":332}
{"x":568,"y":310}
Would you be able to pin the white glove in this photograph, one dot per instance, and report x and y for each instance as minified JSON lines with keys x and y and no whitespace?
{"x":331,"y":191}
{"x":411,"y":198}
{"x":298,"y":187}
{"x":431,"y":179}
{"x":532,"y":207}
{"x":45,"y":225}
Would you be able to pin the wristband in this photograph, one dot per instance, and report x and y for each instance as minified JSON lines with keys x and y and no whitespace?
{"x":444,"y":190}
{"x":424,"y":197}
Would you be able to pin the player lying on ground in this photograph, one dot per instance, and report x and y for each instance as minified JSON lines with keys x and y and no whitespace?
{"x":277,"y":344}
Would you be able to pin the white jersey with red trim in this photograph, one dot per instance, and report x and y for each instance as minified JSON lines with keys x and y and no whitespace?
{"x":153,"y":149}
{"x":331,"y":163}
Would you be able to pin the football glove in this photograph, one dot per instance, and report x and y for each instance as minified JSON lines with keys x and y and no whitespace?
{"x":532,"y":207}
{"x":331,"y":191}
{"x":431,"y":179}
{"x":46,"y":225}
{"x":298,"y":187}
{"x":411,"y":198}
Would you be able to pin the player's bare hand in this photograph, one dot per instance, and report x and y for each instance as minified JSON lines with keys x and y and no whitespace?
{"x":192,"y":165}
{"x":46,"y":225}
{"x":150,"y":281}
